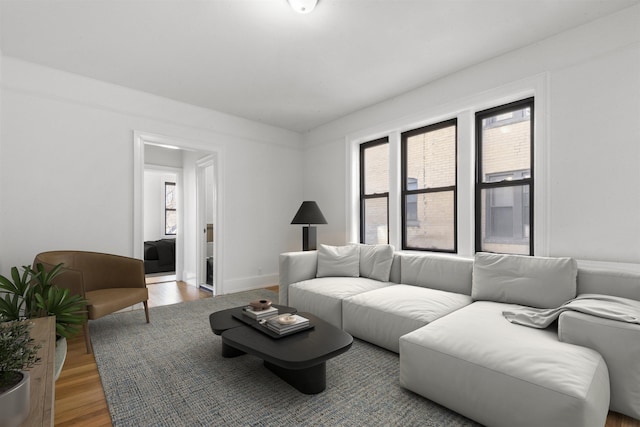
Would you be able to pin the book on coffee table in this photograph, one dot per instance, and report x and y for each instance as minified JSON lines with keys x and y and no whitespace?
{"x":287,"y":323}
{"x":259,"y":314}
{"x":276,"y":333}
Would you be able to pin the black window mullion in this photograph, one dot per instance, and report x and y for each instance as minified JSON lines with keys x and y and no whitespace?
{"x":430,"y":190}
{"x":510,"y":183}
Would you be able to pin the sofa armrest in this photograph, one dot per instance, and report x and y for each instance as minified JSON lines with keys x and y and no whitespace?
{"x":295,"y":267}
{"x":619,"y":344}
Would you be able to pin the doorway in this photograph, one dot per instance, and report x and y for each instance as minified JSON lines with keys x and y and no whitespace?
{"x":162,"y":202}
{"x":198,"y":206}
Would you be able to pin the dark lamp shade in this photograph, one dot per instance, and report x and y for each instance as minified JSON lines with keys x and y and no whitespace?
{"x":309,"y":213}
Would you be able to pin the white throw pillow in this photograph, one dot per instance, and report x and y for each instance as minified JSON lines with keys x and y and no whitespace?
{"x":375,"y":261}
{"x":525,"y":280}
{"x":338,"y":261}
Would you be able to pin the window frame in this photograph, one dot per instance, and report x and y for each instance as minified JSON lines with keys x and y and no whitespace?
{"x":166,"y":209}
{"x":405,"y":192}
{"x":521,"y":182}
{"x":363,"y":196}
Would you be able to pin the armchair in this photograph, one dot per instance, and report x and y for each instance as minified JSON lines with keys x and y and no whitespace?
{"x":108,"y":282}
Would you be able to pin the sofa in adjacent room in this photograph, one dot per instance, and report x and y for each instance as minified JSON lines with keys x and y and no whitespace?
{"x":458,"y":326}
{"x":160,"y":256}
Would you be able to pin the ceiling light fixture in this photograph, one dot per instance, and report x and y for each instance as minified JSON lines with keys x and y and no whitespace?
{"x":303,"y":6}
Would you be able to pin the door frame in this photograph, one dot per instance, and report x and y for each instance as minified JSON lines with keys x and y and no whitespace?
{"x":201,"y":219}
{"x":208,"y":149}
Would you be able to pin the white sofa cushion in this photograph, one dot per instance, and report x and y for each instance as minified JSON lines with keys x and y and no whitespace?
{"x":475,"y":362}
{"x":323,"y":296}
{"x":338,"y":261}
{"x":532,"y":281}
{"x":619,"y":345}
{"x":442,"y":272}
{"x":382,"y":316}
{"x":375,"y":261}
{"x":615,"y":280}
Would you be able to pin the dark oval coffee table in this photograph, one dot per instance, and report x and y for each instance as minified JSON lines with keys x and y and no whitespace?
{"x":299,"y":359}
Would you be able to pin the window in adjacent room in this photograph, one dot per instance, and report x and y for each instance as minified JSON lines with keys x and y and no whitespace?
{"x":374,"y":192}
{"x":504,"y":182}
{"x":429,"y":170}
{"x":170,"y":209}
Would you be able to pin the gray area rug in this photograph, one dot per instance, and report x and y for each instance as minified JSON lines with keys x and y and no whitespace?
{"x":171,"y":373}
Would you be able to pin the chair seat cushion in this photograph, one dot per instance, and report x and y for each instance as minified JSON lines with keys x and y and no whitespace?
{"x":107,"y":301}
{"x":383,"y":315}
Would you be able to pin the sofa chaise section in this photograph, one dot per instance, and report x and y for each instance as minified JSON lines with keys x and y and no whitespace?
{"x":477,"y":363}
{"x":501,"y":374}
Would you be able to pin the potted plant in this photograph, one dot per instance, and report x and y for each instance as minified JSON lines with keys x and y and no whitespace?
{"x":32,"y":294}
{"x":17,"y":353}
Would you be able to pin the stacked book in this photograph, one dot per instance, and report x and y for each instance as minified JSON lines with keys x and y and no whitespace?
{"x":287,"y":323}
{"x":259,"y":314}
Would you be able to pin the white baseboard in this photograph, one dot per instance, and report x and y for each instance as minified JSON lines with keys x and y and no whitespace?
{"x":190,"y":278}
{"x":248,"y":283}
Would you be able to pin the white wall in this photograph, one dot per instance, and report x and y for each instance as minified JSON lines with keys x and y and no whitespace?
{"x":160,"y":156}
{"x":66,"y":171}
{"x":591,"y":91}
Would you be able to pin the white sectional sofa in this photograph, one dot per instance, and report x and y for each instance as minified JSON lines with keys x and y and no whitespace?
{"x":444,"y":316}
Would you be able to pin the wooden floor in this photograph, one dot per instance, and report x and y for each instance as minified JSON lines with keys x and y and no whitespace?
{"x":80,"y":399}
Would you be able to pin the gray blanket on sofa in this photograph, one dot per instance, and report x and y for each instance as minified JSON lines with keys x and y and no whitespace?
{"x":605,"y":306}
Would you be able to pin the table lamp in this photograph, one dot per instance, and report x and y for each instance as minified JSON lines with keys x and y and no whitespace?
{"x":309,"y":213}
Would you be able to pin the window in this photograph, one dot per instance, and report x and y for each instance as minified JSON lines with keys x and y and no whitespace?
{"x":462,"y":185}
{"x":374,"y":192}
{"x":170,"y":212}
{"x":504,"y":181}
{"x":429,"y":170}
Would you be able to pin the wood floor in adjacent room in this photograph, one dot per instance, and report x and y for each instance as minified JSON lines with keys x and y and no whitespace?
{"x":80,"y":399}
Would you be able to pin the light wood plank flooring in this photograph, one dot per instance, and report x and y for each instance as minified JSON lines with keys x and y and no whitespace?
{"x":80,"y":399}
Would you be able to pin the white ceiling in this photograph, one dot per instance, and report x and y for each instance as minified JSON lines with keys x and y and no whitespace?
{"x":260,"y":60}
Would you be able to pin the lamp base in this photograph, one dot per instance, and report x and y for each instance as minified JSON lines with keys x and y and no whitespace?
{"x":309,"y":241}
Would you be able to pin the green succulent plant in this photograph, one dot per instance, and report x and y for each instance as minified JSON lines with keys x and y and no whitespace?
{"x":32,"y":294}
